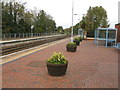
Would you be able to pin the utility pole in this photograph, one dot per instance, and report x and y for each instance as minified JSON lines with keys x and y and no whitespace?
{"x":72,"y":20}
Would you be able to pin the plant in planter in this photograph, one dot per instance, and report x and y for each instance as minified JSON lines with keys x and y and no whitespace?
{"x":71,"y":47}
{"x":80,"y":38}
{"x":57,"y":65}
{"x":77,"y":40}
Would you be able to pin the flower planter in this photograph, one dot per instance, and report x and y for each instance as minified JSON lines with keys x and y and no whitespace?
{"x":56,"y":69}
{"x":71,"y":49}
{"x":77,"y":43}
{"x":80,"y":40}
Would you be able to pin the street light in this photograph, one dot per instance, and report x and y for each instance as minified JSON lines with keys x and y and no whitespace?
{"x":78,"y":19}
{"x":72,"y":20}
{"x":80,"y":30}
{"x":32,"y":30}
{"x":79,"y":24}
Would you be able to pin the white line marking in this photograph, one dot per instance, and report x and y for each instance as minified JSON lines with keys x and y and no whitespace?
{"x":30,"y":48}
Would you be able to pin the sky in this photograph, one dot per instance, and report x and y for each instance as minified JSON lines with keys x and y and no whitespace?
{"x":61,"y":10}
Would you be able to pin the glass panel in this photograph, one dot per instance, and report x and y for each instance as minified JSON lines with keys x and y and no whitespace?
{"x":102,"y":34}
{"x":111,"y":34}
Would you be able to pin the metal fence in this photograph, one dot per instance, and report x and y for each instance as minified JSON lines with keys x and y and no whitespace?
{"x":24,"y":35}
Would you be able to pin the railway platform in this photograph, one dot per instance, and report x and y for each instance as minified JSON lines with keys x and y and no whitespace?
{"x":89,"y":67}
{"x":26,"y":39}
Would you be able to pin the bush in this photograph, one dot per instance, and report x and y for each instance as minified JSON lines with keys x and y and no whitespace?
{"x":77,"y":39}
{"x":80,"y":38}
{"x":57,"y":58}
{"x":71,"y":44}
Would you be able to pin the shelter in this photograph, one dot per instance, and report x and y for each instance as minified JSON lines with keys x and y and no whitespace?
{"x":105,"y":37}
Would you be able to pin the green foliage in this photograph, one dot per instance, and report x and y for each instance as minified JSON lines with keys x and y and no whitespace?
{"x":44,"y":23}
{"x":75,"y":29}
{"x":80,"y":38}
{"x":67,"y":31}
{"x":95,"y":17}
{"x":71,"y":44}
{"x":57,"y":58}
{"x":16,"y":19}
{"x":77,"y":39}
{"x":83,"y":23}
{"x":60,"y":29}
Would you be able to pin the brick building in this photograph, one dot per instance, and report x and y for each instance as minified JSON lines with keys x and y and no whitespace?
{"x":118,"y":33}
{"x":119,"y":12}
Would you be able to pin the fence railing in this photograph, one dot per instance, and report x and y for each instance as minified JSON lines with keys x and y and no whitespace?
{"x":24,"y":35}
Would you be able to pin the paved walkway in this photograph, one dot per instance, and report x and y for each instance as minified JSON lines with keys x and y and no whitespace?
{"x":89,"y":67}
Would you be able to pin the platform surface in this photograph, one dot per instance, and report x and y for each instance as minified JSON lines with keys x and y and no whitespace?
{"x":89,"y":67}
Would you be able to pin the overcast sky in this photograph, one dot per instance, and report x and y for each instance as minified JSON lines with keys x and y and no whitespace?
{"x":61,"y":10}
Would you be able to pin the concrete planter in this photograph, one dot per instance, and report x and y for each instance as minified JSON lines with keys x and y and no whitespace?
{"x":71,"y":49}
{"x":56,"y":69}
{"x":77,"y":43}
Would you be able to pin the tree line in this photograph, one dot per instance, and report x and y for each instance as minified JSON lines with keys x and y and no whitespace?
{"x":17,"y":19}
{"x":94,"y":18}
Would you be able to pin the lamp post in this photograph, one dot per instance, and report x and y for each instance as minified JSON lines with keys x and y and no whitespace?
{"x":72,"y":20}
{"x":32,"y":30}
{"x":78,"y":19}
{"x":79,"y":24}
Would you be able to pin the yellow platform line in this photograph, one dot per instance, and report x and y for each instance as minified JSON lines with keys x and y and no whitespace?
{"x":27,"y":52}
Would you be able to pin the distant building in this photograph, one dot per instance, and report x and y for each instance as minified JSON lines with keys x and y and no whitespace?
{"x":118,"y":33}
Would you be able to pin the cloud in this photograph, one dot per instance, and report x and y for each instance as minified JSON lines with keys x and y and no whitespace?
{"x":61,"y":10}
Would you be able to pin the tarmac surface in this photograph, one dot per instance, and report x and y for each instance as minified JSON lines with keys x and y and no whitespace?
{"x":89,"y":67}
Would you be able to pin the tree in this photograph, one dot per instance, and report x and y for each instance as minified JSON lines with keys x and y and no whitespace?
{"x":67,"y":31}
{"x":44,"y":23}
{"x":95,"y":17}
{"x":7,"y":17}
{"x":27,"y":22}
{"x":83,"y":23}
{"x":60,"y":29}
{"x":14,"y":17}
{"x":50,"y":24}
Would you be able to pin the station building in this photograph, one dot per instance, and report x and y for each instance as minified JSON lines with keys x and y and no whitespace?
{"x":118,"y":31}
{"x":118,"y":25}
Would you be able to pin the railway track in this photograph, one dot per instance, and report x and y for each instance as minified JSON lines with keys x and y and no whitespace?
{"x":18,"y":47}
